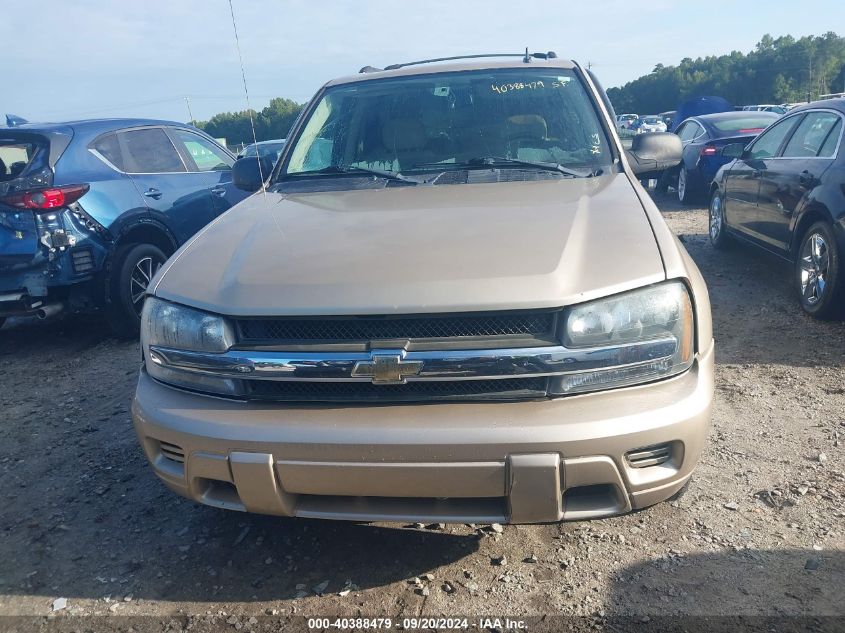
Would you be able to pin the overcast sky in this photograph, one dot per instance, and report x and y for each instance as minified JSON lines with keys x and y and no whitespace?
{"x":107,"y":58}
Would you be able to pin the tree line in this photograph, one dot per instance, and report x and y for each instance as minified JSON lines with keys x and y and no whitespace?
{"x":272,"y":122}
{"x":778,"y":70}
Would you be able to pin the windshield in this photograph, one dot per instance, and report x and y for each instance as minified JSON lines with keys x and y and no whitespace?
{"x":429,"y":122}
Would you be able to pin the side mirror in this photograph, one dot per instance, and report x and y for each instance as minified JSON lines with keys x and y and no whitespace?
{"x":733,"y":150}
{"x":653,"y":153}
{"x":250,"y":173}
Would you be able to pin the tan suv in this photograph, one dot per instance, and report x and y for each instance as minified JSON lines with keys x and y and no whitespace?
{"x":450,"y":301}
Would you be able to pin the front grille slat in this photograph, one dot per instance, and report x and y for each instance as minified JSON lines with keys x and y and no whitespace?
{"x":302,"y":391}
{"x":368,"y":329}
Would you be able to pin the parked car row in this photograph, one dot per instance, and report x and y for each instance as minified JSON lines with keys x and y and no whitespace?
{"x":641,"y":124}
{"x":785,"y":192}
{"x":768,"y":107}
{"x":90,"y":210}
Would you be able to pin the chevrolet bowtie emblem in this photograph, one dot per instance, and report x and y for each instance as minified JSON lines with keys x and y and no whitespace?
{"x":386,"y":369}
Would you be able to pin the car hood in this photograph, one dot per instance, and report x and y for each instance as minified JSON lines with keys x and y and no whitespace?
{"x":420,"y":249}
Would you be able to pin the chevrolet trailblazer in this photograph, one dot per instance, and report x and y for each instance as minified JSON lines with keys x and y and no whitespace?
{"x":449,"y":300}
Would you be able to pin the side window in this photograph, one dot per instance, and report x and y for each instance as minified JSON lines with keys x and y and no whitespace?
{"x":149,"y":151}
{"x":810,"y":135}
{"x":206,"y":155}
{"x":829,"y":147}
{"x":768,"y":143}
{"x":109,"y":148}
{"x":688,"y":131}
{"x":697,"y":131}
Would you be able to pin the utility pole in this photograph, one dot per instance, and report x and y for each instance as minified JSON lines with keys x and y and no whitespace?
{"x":190,"y":114}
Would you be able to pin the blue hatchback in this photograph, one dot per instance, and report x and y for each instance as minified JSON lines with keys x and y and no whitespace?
{"x":90,"y":210}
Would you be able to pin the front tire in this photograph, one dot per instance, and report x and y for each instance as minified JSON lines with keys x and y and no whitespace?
{"x":134,"y":267}
{"x":717,"y":226}
{"x":818,"y":273}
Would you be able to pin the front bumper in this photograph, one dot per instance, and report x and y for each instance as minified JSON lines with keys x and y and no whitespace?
{"x":518,"y":462}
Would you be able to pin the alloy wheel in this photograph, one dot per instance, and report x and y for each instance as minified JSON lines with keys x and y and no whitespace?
{"x":682,"y":184}
{"x":715,"y":217}
{"x":815,"y":262}
{"x":143,"y":272}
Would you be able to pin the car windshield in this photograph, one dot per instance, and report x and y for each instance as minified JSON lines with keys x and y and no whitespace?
{"x":440,"y":121}
{"x":651,"y":120}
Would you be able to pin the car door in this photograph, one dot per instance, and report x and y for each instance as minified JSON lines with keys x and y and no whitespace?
{"x":686,"y":132}
{"x":786,"y":179}
{"x":742,"y":184}
{"x":692,"y":147}
{"x":175,"y":196}
{"x":213,"y":165}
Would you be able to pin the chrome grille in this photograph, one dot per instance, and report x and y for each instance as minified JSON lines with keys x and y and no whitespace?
{"x":364,"y":329}
{"x":302,"y":391}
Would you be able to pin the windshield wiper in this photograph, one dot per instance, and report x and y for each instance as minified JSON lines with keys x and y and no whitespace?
{"x":502,"y":161}
{"x":351,"y":169}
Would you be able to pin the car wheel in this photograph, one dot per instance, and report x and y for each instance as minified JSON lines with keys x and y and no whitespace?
{"x":685,"y":186}
{"x":717,"y":225}
{"x":134,"y":267}
{"x":662,"y":185}
{"x":818,"y":273}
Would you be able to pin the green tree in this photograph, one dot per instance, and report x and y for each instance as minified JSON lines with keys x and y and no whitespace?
{"x":778,"y":70}
{"x":272,"y":122}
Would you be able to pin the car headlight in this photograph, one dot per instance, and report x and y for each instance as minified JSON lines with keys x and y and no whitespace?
{"x":170,"y":326}
{"x":634,"y":337}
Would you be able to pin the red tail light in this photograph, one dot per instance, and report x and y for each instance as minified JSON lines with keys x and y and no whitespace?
{"x":751,"y":130}
{"x":709,"y":150}
{"x":45,"y":199}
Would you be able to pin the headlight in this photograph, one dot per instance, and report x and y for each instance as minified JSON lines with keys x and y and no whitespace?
{"x":647,"y":334}
{"x":168,"y":325}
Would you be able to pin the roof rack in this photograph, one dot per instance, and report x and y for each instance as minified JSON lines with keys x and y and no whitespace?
{"x":526,"y":57}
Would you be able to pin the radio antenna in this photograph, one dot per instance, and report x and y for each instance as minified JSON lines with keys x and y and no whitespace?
{"x":246,"y":92}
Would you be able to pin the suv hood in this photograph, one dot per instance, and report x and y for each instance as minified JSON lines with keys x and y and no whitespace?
{"x":445,"y":248}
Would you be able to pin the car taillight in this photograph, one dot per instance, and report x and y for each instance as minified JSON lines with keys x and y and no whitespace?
{"x":45,"y":199}
{"x":709,"y":150}
{"x":751,"y":130}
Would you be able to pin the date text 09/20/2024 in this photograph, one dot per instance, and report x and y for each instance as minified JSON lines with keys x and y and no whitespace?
{"x":484,"y":623}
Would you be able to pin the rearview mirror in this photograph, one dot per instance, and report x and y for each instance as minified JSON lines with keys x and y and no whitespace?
{"x":250,"y":173}
{"x":733,"y":150}
{"x":653,"y":153}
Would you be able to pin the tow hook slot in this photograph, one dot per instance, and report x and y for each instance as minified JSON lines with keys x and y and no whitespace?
{"x":57,"y":240}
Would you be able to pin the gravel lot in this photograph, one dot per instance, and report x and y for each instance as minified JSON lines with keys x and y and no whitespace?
{"x":760,"y":531}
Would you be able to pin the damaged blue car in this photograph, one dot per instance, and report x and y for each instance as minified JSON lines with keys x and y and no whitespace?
{"x":90,"y":210}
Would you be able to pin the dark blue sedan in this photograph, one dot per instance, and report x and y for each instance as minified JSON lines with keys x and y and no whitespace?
{"x":90,"y":210}
{"x":703,"y":137}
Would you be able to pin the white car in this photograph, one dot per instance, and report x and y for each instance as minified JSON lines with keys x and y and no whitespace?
{"x":651,"y":123}
{"x":624,"y":121}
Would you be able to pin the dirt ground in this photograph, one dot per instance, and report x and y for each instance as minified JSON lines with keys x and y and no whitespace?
{"x":760,"y":531}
